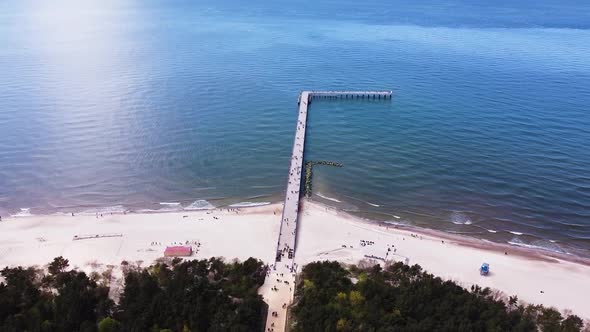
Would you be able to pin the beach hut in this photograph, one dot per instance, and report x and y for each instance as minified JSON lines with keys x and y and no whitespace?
{"x":484,"y":269}
{"x":177,"y":251}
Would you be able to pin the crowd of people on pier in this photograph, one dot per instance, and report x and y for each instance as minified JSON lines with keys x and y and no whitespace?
{"x":282,"y":289}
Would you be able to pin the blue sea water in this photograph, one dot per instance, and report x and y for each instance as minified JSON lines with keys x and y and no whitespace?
{"x":116,"y":105}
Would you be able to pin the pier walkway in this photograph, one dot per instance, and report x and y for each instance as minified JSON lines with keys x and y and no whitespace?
{"x":288,"y":233}
{"x":279,"y":285}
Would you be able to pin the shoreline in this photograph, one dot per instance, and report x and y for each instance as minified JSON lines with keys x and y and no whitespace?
{"x":533,"y":252}
{"x":472,"y":242}
{"x":465,"y":240}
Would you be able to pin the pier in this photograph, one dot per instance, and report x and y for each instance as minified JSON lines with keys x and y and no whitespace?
{"x":287,"y":241}
{"x":288,"y":231}
{"x":374,"y":95}
{"x":279,"y":286}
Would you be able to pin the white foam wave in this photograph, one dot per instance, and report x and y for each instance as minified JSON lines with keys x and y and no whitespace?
{"x":166,"y":207}
{"x":200,"y":205}
{"x":24,"y":212}
{"x":459,"y":218}
{"x":329,"y":198}
{"x":396,"y":217}
{"x":515,"y":233}
{"x":149,"y":210}
{"x":170,"y":203}
{"x":360,"y":200}
{"x":249,"y":204}
{"x":538,"y":245}
{"x":104,"y":210}
{"x":492,"y":231}
{"x":397,"y":223}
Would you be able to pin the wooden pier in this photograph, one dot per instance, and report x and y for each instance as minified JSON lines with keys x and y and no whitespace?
{"x":373,"y":95}
{"x":287,"y":241}
{"x":279,"y":285}
{"x":288,"y":232}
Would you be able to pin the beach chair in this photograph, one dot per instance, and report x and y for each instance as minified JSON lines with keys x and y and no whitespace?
{"x":484,"y":269}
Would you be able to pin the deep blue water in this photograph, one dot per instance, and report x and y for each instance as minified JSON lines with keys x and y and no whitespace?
{"x":128,"y":104}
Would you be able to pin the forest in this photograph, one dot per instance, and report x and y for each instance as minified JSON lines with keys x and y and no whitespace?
{"x":212,"y":295}
{"x":405,"y":298}
{"x":198,"y":295}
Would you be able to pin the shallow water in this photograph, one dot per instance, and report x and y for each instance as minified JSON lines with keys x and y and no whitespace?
{"x":109,"y":106}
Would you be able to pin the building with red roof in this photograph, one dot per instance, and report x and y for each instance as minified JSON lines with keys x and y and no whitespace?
{"x":176,"y":251}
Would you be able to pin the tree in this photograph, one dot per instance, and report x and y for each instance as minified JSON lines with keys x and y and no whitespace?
{"x":58,"y":265}
{"x":512,"y":301}
{"x":205,"y":295}
{"x":572,"y":323}
{"x":550,"y":320}
{"x":108,"y":325}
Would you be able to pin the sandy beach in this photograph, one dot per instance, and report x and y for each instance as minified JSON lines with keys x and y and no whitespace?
{"x":95,"y":243}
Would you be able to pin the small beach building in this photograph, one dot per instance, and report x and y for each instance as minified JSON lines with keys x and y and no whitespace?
{"x":178,"y":251}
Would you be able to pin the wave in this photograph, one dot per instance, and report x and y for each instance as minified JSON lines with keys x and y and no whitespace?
{"x":539,"y":245}
{"x":463,"y":232}
{"x":258,"y":196}
{"x":329,"y":198}
{"x":264,"y":187}
{"x":249,"y":204}
{"x":360,"y":200}
{"x":515,"y":233}
{"x":104,"y":210}
{"x":152,"y":210}
{"x":491,"y":231}
{"x":170,"y":203}
{"x":200,"y":204}
{"x":397,"y":223}
{"x":166,"y":207}
{"x":24,"y":212}
{"x":396,"y":217}
{"x":459,"y":218}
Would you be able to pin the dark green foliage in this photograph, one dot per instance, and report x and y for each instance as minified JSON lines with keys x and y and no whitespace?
{"x":60,"y":301}
{"x":571,"y":324}
{"x":210,"y":295}
{"x":404,"y":298}
{"x":206,"y":295}
{"x":109,"y":325}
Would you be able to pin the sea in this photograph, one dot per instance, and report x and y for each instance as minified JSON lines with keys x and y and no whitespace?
{"x":112,"y":106}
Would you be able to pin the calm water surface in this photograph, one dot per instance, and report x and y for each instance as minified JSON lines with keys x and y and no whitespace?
{"x":163,"y":105}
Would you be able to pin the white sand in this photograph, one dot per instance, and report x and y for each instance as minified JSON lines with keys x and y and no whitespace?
{"x":253,"y":232}
{"x":36,"y":240}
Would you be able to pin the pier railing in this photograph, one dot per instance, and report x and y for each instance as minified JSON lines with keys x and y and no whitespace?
{"x":350,"y":94}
